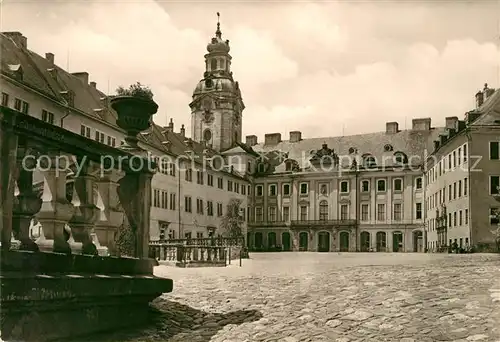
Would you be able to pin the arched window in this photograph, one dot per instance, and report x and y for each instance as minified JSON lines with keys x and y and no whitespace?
{"x":222,"y":64}
{"x":213,"y":64}
{"x":323,"y":210}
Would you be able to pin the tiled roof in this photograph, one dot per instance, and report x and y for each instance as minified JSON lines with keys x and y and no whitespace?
{"x":490,"y":111}
{"x":411,"y":143}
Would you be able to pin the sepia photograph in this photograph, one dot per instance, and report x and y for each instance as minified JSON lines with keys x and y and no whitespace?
{"x":250,"y":170}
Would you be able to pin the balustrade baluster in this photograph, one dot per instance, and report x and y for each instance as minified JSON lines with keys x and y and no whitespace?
{"x":28,"y":203}
{"x":86,"y":212}
{"x":56,"y":210}
{"x":112,"y":215}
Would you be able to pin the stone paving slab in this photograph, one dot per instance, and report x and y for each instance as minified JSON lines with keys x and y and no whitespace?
{"x":296,"y":297}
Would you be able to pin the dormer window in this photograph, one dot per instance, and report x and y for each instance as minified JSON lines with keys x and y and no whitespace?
{"x":261,"y":168}
{"x":352,"y":150}
{"x":388,"y":148}
{"x":369,"y":161}
{"x":288,"y":166}
{"x":17,"y":70}
{"x":400,"y":158}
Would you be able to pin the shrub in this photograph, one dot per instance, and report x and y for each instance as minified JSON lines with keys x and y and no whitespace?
{"x":136,"y":90}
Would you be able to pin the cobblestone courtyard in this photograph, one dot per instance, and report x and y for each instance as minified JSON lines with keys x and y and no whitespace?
{"x":332,"y":297}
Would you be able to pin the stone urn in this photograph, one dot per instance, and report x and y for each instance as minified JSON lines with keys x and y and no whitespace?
{"x":134,"y":116}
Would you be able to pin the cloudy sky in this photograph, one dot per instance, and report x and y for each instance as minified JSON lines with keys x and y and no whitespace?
{"x":323,"y":68}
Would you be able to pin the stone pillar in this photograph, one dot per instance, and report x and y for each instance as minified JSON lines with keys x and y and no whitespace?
{"x":295,"y":240}
{"x":28,"y":203}
{"x":56,"y":210}
{"x":390,"y":237}
{"x":333,"y":240}
{"x":373,"y":240}
{"x":313,"y":240}
{"x":86,"y":212}
{"x":111,"y":216}
{"x":8,"y":151}
{"x":134,"y":191}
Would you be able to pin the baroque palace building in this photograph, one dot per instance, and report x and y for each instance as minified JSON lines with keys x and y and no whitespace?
{"x":395,"y":190}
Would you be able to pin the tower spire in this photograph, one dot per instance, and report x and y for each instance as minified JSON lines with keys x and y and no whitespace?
{"x":218,"y":33}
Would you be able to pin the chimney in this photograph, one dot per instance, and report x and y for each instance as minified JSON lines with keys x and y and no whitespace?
{"x":251,"y":140}
{"x":443,"y":139}
{"x":391,"y":127}
{"x":93,"y":84}
{"x":171,"y":125}
{"x":83,"y":76}
{"x":451,"y":122}
{"x":479,"y":99}
{"x":49,"y":56}
{"x":272,"y":139}
{"x":183,"y":131}
{"x":295,"y":136}
{"x":422,"y":124}
{"x":18,"y":39}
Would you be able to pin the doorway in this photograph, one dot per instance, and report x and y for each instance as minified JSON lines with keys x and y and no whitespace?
{"x":323,"y":242}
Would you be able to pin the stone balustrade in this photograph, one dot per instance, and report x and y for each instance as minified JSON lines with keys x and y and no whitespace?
{"x":90,"y":200}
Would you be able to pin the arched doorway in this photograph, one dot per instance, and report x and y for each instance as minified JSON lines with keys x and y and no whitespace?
{"x":397,"y":242}
{"x":365,"y":241}
{"x":271,"y":241}
{"x":303,"y":241}
{"x":286,"y":241}
{"x":323,"y":242}
{"x":381,"y":242}
{"x":258,"y":241}
{"x":344,"y":241}
{"x":418,"y":241}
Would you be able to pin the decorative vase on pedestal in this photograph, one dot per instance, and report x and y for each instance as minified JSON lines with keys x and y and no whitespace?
{"x":134,"y":116}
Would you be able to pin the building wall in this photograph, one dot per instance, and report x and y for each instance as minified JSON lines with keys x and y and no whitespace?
{"x":335,"y":197}
{"x":481,"y":200}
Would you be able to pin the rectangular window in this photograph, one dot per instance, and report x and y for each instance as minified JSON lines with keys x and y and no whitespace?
{"x":365,"y":216}
{"x":454,"y":190}
{"x":237,"y":188}
{"x":397,"y":212}
{"x":466,"y":216}
{"x":18,"y":104}
{"x":459,"y":188}
{"x":344,"y":212}
{"x":455,"y":219}
{"x":189,"y":175}
{"x":286,"y":214}
{"x":272,"y":190}
{"x":156,"y":198}
{"x":494,"y":150}
{"x":449,"y":193}
{"x":199,"y":177}
{"x":187,"y":204}
{"x":164,"y":202}
{"x":229,"y":185}
{"x":210,"y":180}
{"x":210,"y":208}
{"x":418,"y":211}
{"x":494,"y":185}
{"x":243,"y":190}
{"x":48,"y":117}
{"x":26,"y":107}
{"x":219,"y":209}
{"x":286,"y":189}
{"x":381,"y":185}
{"x":258,"y":214}
{"x":460,"y":218}
{"x":199,"y":235}
{"x":459,"y":156}
{"x":365,"y":186}
{"x":380,"y":212}
{"x":259,"y":190}
{"x":100,"y":137}
{"x":220,"y":183}
{"x":85,"y":131}
{"x":304,"y":189}
{"x":303,"y":213}
{"x":271,"y":214}
{"x":5,"y":99}
{"x":465,"y":153}
{"x":344,"y":186}
{"x":199,"y":206}
{"x":398,"y":184}
{"x":172,"y":201}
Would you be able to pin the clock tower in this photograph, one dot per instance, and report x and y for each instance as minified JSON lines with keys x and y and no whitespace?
{"x":217,"y":106}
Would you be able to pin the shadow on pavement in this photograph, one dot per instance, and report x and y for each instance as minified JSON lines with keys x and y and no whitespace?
{"x":172,"y":321}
